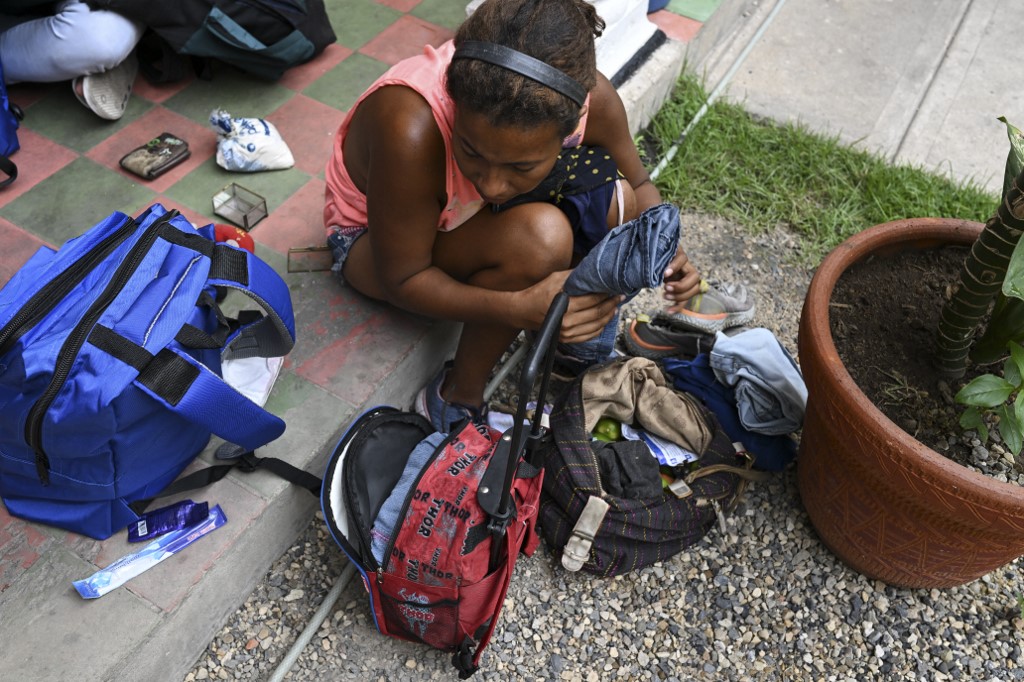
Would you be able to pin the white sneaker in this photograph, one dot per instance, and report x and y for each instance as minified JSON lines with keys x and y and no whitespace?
{"x":106,"y":94}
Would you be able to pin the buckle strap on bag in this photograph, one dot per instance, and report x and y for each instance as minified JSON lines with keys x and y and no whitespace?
{"x":462,"y":659}
{"x":247,"y":462}
{"x":577,"y":548}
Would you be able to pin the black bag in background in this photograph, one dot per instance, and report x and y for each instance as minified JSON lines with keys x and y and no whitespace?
{"x":262,"y":37}
{"x":625,"y":530}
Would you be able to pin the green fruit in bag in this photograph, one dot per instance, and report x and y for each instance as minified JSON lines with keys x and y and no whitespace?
{"x":608,"y":430}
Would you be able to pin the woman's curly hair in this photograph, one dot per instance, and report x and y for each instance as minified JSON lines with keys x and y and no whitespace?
{"x":558,"y":32}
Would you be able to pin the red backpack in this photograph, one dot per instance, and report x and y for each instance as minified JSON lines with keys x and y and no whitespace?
{"x":456,"y":524}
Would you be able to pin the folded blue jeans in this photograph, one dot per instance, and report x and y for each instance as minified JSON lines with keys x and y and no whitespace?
{"x":630,"y":258}
{"x":770,"y":392}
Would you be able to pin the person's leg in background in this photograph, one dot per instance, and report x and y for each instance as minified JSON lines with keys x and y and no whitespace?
{"x":92,"y":48}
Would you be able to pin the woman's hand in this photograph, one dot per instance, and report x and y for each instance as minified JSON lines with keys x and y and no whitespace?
{"x":585,"y":316}
{"x":682,"y":281}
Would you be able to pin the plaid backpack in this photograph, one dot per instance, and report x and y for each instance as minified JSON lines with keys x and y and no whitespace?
{"x":435,"y":522}
{"x":609,"y":534}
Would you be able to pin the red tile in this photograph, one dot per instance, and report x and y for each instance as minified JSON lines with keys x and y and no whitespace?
{"x":301,"y":76}
{"x":676,"y":27}
{"x":159,"y":92}
{"x":27,"y":94}
{"x":202,"y":142}
{"x":400,"y":5}
{"x":17,"y":246}
{"x":21,"y":545}
{"x":38,"y":159}
{"x":356,"y":362}
{"x":405,"y":38}
{"x":308,"y":126}
{"x":298,"y":222}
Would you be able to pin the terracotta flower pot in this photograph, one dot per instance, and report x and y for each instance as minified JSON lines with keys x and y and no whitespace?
{"x":884,"y":503}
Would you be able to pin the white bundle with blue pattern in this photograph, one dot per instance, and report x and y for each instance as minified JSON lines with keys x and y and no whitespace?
{"x":249,"y":144}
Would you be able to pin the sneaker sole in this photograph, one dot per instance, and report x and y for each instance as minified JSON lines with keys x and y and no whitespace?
{"x":709,"y":324}
{"x":663,"y":347}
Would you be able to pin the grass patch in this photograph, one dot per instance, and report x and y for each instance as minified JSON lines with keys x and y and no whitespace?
{"x":762,"y":174}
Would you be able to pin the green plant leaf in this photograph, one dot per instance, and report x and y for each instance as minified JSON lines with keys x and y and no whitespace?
{"x":1015,"y":158}
{"x":988,"y":390}
{"x":971,"y":419}
{"x":1005,"y":324}
{"x":1014,"y":369}
{"x":1010,"y":429}
{"x":1018,"y":407}
{"x":1011,"y":372}
{"x":1013,"y":281}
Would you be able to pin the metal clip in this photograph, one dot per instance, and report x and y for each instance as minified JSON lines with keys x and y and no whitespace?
{"x":720,"y":514}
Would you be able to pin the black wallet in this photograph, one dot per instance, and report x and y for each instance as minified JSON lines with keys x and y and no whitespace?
{"x":156,"y":156}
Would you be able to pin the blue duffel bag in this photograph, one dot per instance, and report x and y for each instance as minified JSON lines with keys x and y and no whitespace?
{"x":110,"y":366}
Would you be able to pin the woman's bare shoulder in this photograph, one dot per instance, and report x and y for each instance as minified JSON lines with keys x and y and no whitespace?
{"x":393,"y":131}
{"x":396,"y":115}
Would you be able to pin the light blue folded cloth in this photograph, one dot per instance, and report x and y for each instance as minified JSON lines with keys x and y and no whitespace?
{"x":631,"y":257}
{"x":771,"y":396}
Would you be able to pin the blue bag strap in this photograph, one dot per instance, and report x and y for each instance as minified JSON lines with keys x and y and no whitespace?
{"x":192,"y":390}
{"x":269,"y":335}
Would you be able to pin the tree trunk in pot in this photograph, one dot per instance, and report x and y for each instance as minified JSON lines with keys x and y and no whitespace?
{"x":887,"y":505}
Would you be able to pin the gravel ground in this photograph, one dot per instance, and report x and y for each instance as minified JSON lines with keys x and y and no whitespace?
{"x":762,"y":601}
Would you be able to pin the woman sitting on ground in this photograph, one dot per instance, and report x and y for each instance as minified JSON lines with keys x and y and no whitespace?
{"x":440,"y":195}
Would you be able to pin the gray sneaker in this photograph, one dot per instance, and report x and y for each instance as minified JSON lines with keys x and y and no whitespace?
{"x":719,"y":306}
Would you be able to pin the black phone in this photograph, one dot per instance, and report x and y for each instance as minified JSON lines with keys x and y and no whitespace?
{"x":156,"y":157}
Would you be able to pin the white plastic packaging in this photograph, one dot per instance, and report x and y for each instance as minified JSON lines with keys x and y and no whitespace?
{"x":249,"y":144}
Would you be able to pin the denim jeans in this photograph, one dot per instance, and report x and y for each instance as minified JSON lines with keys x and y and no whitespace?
{"x":770,"y":392}
{"x":630,"y":258}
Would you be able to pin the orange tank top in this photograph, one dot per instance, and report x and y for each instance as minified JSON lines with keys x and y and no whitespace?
{"x":345,"y":205}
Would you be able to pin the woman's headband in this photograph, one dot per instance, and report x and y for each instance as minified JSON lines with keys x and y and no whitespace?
{"x":523,"y":64}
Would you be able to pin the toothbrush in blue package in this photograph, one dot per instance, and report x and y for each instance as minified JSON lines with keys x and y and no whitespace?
{"x":127,"y":567}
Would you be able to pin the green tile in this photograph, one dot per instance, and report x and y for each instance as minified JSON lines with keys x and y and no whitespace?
{"x":59,"y":116}
{"x":341,"y":86}
{"x":74,"y":199}
{"x":196,"y":189}
{"x":699,"y":10}
{"x":357,"y":22}
{"x":447,"y":13}
{"x":240,"y":94}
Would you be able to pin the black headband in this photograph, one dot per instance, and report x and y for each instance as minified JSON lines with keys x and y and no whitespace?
{"x":523,"y":64}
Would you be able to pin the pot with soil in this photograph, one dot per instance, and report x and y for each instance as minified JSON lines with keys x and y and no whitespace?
{"x":887,"y":504}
